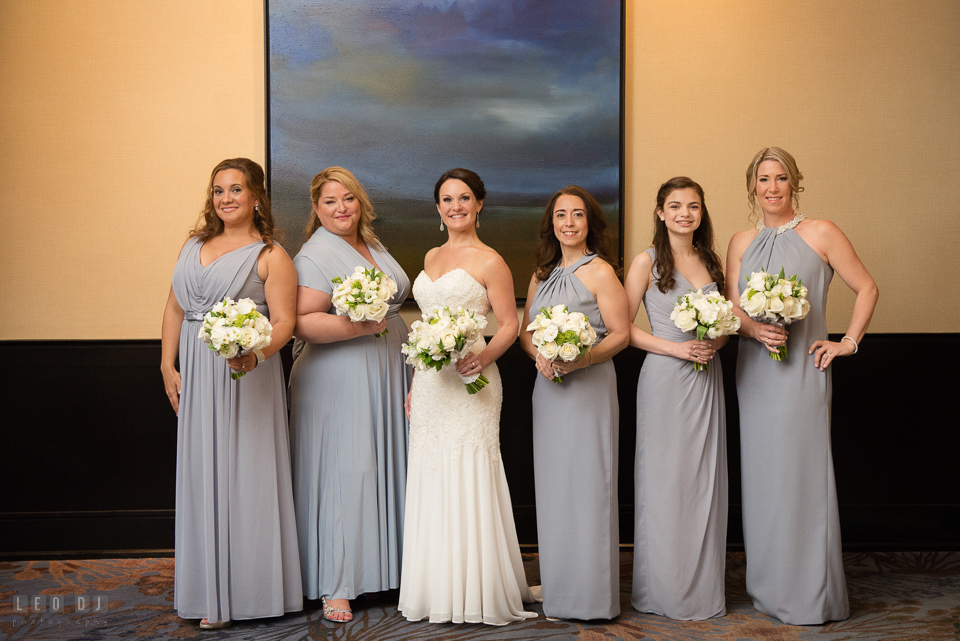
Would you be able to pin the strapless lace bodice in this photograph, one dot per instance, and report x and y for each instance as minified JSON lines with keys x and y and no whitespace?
{"x":454,"y":289}
{"x":443,"y":417}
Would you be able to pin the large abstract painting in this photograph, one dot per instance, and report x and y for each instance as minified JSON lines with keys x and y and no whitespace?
{"x":527,"y":93}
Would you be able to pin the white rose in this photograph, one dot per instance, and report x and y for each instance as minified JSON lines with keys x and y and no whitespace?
{"x":357,"y":313}
{"x":758,"y":281}
{"x":537,"y":336}
{"x":230,"y":350}
{"x":568,"y":352}
{"x":376,"y":311}
{"x":549,"y":350}
{"x":685,"y":321}
{"x":248,"y":337}
{"x":550,"y":332}
{"x":230,"y":311}
{"x":754,"y":305}
{"x":775,"y":305}
{"x":424,"y":344}
{"x":588,"y":336}
{"x":449,"y":340}
{"x":245,"y":306}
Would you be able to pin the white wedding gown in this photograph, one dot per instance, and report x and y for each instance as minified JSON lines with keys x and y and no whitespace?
{"x":461,"y":559}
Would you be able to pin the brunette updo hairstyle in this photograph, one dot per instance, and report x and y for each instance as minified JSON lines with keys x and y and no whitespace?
{"x":663,"y":263}
{"x":470,"y":178}
{"x":789,"y":166}
{"x":549,"y":252}
{"x":210,"y":225}
{"x":351,"y":184}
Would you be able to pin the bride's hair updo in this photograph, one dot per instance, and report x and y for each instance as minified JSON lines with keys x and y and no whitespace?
{"x":470,"y":178}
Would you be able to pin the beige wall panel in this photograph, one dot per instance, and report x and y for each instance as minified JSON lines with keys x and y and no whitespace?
{"x":113,"y":113}
{"x":866,"y":96}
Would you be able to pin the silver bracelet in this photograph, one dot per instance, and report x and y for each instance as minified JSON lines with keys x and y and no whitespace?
{"x":855,"y":346}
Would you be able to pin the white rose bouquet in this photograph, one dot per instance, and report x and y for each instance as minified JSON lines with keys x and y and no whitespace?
{"x":775,"y":299}
{"x":710,"y":315}
{"x":363,"y":296}
{"x":443,"y":337}
{"x":560,"y":333}
{"x":232,"y":328}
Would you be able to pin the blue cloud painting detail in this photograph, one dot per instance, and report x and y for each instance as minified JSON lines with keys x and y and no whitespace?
{"x":524,"y":92}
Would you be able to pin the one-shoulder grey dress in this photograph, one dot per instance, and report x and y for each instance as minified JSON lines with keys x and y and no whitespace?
{"x":236,"y":541}
{"x":680,"y":537}
{"x":575,"y":449}
{"x":349,"y":438}
{"x":791,"y":525}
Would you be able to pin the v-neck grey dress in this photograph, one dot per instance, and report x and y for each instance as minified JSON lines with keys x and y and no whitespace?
{"x":791,"y":524}
{"x":680,"y":538}
{"x":349,"y":437}
{"x":235,"y":532}
{"x":575,"y":451}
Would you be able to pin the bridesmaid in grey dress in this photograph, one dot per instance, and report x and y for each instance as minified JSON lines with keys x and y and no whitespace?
{"x":790,"y":520}
{"x":576,"y":422}
{"x":235,"y":532}
{"x":347,"y":422}
{"x":680,"y":532}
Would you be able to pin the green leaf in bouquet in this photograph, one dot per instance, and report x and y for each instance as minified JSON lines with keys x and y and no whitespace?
{"x":782,"y":273}
{"x":701,"y":332}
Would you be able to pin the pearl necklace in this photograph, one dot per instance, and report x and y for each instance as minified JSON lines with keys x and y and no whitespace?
{"x":785,"y":226}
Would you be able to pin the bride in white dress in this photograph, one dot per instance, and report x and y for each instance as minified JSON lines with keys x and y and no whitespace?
{"x":461,"y":559}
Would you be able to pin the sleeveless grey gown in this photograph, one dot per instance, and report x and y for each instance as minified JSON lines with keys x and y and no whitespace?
{"x":349,"y":438}
{"x":680,"y":538}
{"x":575,"y":449}
{"x":791,"y":524}
{"x":236,"y":543}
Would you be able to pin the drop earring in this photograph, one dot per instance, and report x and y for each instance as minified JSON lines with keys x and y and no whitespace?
{"x":441,"y":224}
{"x":478,"y":219}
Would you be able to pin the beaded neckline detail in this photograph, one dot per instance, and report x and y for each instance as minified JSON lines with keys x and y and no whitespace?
{"x":785,"y":226}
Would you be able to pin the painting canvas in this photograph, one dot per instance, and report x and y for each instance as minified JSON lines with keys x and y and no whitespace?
{"x":527,"y":93}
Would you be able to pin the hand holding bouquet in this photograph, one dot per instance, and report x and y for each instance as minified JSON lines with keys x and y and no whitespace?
{"x":363,"y":296}
{"x":710,"y":315}
{"x":560,"y":333}
{"x":775,"y":299}
{"x":231,"y":328}
{"x":443,"y":337}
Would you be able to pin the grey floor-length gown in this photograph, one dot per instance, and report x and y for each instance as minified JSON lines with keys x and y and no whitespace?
{"x":791,"y":524}
{"x":349,"y":438}
{"x":680,"y":535}
{"x":236,"y":542}
{"x":575,"y":449}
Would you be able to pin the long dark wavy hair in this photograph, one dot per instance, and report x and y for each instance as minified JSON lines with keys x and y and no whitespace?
{"x":702,"y":238}
{"x":210,"y":225}
{"x":598,"y":239}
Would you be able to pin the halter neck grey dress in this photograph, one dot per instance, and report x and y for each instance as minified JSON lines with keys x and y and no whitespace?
{"x":236,"y":542}
{"x":680,"y":535}
{"x":349,"y":438}
{"x":791,"y":526}
{"x":575,"y":450}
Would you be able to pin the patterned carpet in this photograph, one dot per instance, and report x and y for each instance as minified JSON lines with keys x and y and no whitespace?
{"x":897,"y":595}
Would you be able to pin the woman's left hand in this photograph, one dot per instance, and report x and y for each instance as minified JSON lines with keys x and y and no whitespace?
{"x":826,"y":351}
{"x":244,"y":363}
{"x":469,"y":365}
{"x":562,"y":367}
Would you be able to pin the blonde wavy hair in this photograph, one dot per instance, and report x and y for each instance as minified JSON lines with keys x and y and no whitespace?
{"x":789,"y":165}
{"x":351,"y":184}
